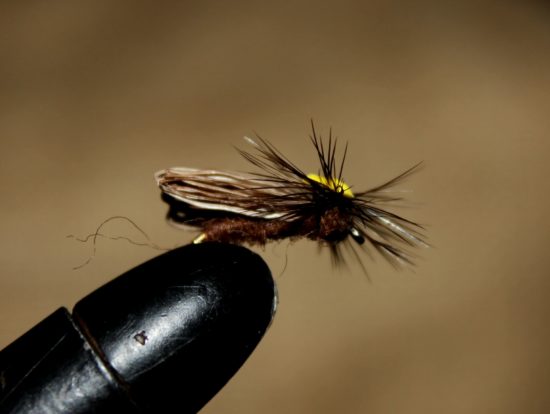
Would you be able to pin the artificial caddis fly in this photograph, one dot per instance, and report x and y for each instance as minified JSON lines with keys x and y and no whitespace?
{"x":281,"y":201}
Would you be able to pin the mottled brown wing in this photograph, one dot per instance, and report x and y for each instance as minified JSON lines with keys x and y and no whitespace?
{"x":214,"y":190}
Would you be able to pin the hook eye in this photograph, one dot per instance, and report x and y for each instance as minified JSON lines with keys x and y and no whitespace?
{"x":356,"y":235}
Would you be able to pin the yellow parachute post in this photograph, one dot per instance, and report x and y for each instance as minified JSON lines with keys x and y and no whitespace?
{"x":334,"y":184}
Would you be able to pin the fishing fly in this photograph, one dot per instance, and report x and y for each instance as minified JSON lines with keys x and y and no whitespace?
{"x":281,"y":201}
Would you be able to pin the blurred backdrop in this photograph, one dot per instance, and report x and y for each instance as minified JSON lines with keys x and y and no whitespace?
{"x":96,"y":96}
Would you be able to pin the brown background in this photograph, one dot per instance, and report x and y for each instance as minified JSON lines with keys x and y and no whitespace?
{"x":96,"y":96}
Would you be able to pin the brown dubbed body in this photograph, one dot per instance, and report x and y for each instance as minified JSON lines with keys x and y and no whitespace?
{"x":331,"y":226}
